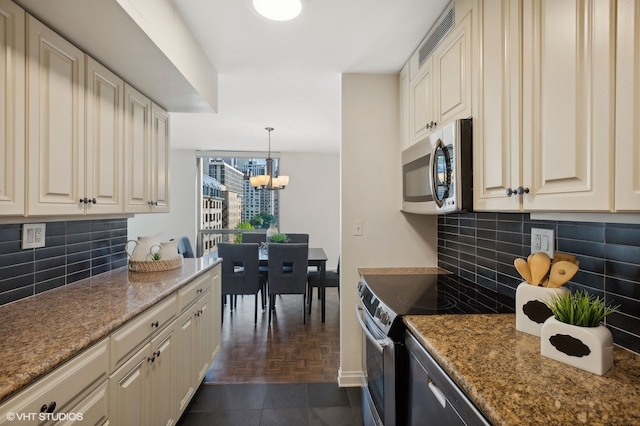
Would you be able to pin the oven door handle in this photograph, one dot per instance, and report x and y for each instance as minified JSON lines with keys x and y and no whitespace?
{"x":380,"y":344}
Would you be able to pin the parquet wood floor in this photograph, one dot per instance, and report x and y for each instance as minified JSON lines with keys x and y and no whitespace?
{"x":287,"y":351}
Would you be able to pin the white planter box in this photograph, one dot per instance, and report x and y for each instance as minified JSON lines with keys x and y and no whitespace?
{"x":531,"y":309}
{"x":587,"y":348}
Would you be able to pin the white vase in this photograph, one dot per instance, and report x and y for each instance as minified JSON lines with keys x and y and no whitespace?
{"x":531,"y":308}
{"x":587,"y":348}
{"x":271,"y":232}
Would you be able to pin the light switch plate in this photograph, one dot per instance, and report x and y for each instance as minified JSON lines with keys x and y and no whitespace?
{"x":543,"y":240}
{"x":357,"y":227}
{"x":33,"y":235}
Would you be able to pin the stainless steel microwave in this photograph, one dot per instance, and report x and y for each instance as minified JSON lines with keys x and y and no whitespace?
{"x":437,"y":171}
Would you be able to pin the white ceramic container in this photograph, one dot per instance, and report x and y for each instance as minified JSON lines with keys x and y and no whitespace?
{"x":531,"y":308}
{"x":587,"y":348}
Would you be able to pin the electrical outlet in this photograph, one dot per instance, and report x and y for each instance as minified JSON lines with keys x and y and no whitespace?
{"x":543,"y":240}
{"x":33,"y":235}
{"x":357,"y":227}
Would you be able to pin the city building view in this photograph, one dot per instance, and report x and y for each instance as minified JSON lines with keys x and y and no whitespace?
{"x":229,"y":201}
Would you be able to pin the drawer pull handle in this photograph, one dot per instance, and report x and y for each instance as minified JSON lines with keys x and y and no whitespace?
{"x":153,"y":356}
{"x":199,"y":290}
{"x":48,"y":408}
{"x":155,"y":324}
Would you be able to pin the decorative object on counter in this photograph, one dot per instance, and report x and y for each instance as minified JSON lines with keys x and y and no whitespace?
{"x":574,"y":334}
{"x":143,"y":247}
{"x":271,"y":231}
{"x":543,"y":280}
{"x":151,"y":255}
{"x":155,"y":265}
{"x":531,"y":307}
{"x":278,"y":238}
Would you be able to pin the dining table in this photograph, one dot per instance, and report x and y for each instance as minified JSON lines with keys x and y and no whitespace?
{"x":316,"y":258}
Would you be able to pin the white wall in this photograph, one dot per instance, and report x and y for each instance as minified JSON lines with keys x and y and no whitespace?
{"x":182,"y":219}
{"x":311,"y":202}
{"x":370,"y":191}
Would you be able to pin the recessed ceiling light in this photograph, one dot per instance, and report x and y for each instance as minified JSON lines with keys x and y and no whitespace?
{"x":278,"y":10}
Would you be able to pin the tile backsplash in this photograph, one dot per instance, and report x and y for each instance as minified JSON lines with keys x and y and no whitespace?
{"x":482,"y":247}
{"x":73,"y":250}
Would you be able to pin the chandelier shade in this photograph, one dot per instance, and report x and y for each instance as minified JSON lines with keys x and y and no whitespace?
{"x":269,"y":180}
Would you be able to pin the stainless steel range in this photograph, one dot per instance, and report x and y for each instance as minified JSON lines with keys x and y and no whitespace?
{"x":385,"y":299}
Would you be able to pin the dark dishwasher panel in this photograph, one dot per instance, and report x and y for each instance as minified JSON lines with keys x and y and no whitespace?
{"x":434,"y":399}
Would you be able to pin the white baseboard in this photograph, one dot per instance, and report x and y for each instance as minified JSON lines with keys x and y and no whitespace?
{"x":349,"y":379}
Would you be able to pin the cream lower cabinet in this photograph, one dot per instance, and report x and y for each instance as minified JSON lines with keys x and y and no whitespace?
{"x":627,"y":170}
{"x":12,"y":108}
{"x":564,"y":159}
{"x":146,"y":136}
{"x":76,"y":393}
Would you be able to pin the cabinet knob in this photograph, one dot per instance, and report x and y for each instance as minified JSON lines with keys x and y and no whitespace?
{"x":433,"y":124}
{"x":94,"y":201}
{"x":522,"y":190}
{"x":510,"y":192}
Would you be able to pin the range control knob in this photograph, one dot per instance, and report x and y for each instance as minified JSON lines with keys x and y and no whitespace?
{"x":384,"y":318}
{"x":379,"y":312}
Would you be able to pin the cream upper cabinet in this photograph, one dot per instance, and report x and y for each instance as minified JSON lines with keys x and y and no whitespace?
{"x":159,"y":173}
{"x":104,"y":116}
{"x":568,"y":104}
{"x":627,"y":177}
{"x":497,"y":140}
{"x":452,"y":75}
{"x":12,"y":108}
{"x":404,"y":85}
{"x":146,"y":141}
{"x":55,"y":123}
{"x":421,"y":102}
{"x":544,"y":129}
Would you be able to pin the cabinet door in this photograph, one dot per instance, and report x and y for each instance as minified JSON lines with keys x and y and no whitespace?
{"x":203,"y":338}
{"x":497,"y":142}
{"x":12,"y":139}
{"x":216,"y":311}
{"x":129,"y":391}
{"x":421,"y":103}
{"x":627,"y":196}
{"x":405,"y":126}
{"x":185,"y":382}
{"x":105,"y":94}
{"x":94,"y":408}
{"x":159,"y":178}
{"x":568,"y":104}
{"x":163,"y":375}
{"x":137,"y":116}
{"x":452,"y":74}
{"x":55,"y":123}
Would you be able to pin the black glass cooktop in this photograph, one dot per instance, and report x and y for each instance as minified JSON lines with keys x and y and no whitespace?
{"x":431,"y":294}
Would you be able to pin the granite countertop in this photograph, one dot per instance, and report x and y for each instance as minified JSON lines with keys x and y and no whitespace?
{"x":506,"y":377}
{"x":40,"y":333}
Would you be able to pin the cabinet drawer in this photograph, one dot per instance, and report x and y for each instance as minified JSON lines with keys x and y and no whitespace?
{"x":188,"y":294}
{"x":138,"y":331}
{"x":66,"y":386}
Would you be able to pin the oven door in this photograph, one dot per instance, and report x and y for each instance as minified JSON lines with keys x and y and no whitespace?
{"x":378,"y":385}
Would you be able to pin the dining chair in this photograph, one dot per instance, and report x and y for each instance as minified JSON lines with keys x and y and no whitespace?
{"x":184,"y":247}
{"x":331,"y":279}
{"x":240,"y":271}
{"x":288,"y":263}
{"x":298,"y":238}
{"x":254,"y":238}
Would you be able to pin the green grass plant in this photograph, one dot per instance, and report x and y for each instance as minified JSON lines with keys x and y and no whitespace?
{"x":279,"y":238}
{"x":580,"y":308}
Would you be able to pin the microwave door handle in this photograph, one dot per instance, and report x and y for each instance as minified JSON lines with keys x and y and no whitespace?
{"x":434,"y":173}
{"x":380,"y":344}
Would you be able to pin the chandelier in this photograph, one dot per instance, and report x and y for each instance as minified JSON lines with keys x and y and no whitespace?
{"x":269,"y":181}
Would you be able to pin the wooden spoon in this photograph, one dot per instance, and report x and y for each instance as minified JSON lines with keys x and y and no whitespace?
{"x":561,"y":272}
{"x":539,"y":265}
{"x":523,"y":269}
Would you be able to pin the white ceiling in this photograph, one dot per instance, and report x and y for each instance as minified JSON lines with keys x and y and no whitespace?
{"x":287,"y":74}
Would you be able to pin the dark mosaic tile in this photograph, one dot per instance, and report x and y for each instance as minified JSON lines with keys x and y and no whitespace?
{"x":14,"y":282}
{"x":581,"y":232}
{"x":577,"y":247}
{"x":50,"y":252}
{"x":50,"y":284}
{"x":10,"y":232}
{"x":16,"y":258}
{"x":100,"y":269}
{"x":16,"y":270}
{"x":622,"y":253}
{"x":9,"y":247}
{"x":624,"y":288}
{"x":78,"y":227}
{"x":17,"y":294}
{"x":77,"y":248}
{"x":624,"y":322}
{"x":622,"y":270}
{"x":100,"y":225}
{"x":515,"y":227}
{"x":509,"y":237}
{"x":78,"y":238}
{"x":624,"y":236}
{"x":48,"y":274}
{"x":81,"y":275}
{"x":78,"y":257}
{"x":626,"y":340}
{"x":54,"y":241}
{"x":55,"y":229}
{"x":48,"y":263}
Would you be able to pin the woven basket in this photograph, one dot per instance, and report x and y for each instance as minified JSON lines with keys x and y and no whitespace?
{"x":155,"y":265}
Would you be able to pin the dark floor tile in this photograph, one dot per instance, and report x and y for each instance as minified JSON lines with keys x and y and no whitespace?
{"x":331,"y":416}
{"x":285,"y":416}
{"x":222,"y":418}
{"x":289,"y":395}
{"x":327,"y":395}
{"x":229,"y":397}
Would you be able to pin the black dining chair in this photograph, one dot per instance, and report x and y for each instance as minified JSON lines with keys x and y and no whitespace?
{"x":240,"y":272}
{"x":298,"y":238}
{"x":184,"y":247}
{"x":254,"y":238}
{"x":331,"y":279}
{"x":288,"y":263}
